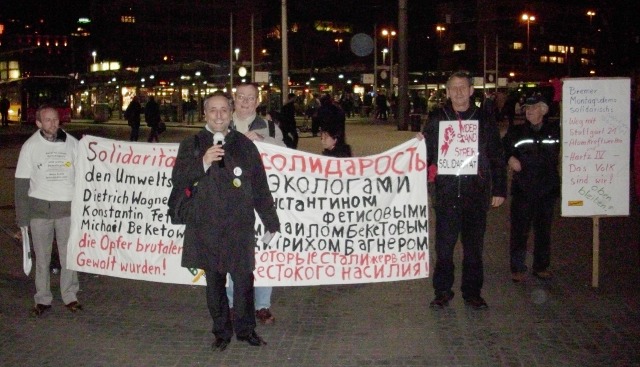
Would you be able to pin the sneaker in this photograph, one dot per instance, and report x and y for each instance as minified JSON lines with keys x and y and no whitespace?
{"x":264,"y":316}
{"x":544,"y":274}
{"x":476,"y":302}
{"x":519,"y":276}
{"x":442,"y":299}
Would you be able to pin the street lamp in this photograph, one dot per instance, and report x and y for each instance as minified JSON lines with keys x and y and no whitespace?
{"x":237,"y":52}
{"x":440,"y":29}
{"x":390,"y":34}
{"x":94,"y":54}
{"x":528,"y":18}
{"x":590,"y":14}
{"x":384,"y":55}
{"x":338,"y":42}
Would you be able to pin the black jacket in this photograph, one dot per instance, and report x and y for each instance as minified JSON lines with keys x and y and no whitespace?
{"x":538,"y":153}
{"x":491,"y":179}
{"x":218,"y":205}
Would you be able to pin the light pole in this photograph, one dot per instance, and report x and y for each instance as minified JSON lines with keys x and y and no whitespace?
{"x":237,"y":52}
{"x":390,"y":34}
{"x":590,"y":14}
{"x":338,"y":42}
{"x":528,"y":18}
{"x":440,"y":29}
{"x":384,"y":55}
{"x":94,"y":54}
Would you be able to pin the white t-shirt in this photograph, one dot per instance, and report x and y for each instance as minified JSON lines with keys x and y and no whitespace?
{"x":49,"y":166}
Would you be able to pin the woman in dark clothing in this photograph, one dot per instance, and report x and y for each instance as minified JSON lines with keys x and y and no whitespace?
{"x":334,"y":144}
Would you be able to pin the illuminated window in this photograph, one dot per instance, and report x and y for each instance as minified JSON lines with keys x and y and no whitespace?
{"x":127,"y":19}
{"x":553,"y":48}
{"x":584,"y":61}
{"x":553,"y":59}
{"x":560,"y":60}
{"x":544,"y":59}
{"x":459,"y":47}
{"x":517,"y":45}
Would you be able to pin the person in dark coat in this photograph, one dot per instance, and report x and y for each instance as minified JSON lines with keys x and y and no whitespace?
{"x":462,"y":200}
{"x":217,"y":190}
{"x":330,"y":116}
{"x":532,"y":150}
{"x":132,"y":114}
{"x":152,"y":117}
{"x":334,"y":144}
{"x":288,"y":122}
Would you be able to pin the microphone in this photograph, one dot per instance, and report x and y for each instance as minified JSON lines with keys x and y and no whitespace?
{"x":218,"y":139}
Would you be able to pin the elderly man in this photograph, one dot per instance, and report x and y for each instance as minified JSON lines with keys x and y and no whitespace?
{"x":462,"y":200}
{"x":254,"y":127}
{"x":533,"y":150}
{"x":217,"y":190}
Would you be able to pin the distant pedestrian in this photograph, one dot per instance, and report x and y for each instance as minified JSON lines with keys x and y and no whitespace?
{"x":192,"y":110}
{"x":132,"y":114}
{"x":152,"y":117}
{"x":288,"y":122}
{"x":4,"y":110}
{"x":330,"y":115}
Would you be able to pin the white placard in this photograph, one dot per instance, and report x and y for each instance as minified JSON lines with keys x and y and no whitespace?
{"x":595,"y":146}
{"x":458,"y":147}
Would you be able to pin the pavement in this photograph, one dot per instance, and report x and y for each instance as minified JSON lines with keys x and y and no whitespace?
{"x":564,"y":321}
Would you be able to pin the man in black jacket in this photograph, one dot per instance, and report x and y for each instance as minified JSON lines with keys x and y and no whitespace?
{"x":533,"y":150}
{"x":217,"y":188}
{"x":462,"y":200}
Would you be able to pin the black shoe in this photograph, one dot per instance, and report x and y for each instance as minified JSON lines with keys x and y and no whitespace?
{"x":220,"y":344}
{"x":252,"y":339}
{"x":442,"y":299}
{"x":476,"y":302}
{"x":39,"y":309}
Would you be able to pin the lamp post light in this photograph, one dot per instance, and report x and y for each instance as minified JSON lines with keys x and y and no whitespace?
{"x":384,"y":55}
{"x":590,"y":14}
{"x":389,"y":35}
{"x":338,"y":42}
{"x":237,"y":52}
{"x":94,"y":54}
{"x":440,"y":29}
{"x":528,"y":18}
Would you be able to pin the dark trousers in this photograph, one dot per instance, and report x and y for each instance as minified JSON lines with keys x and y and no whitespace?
{"x":464,"y":218}
{"x":526,"y":211}
{"x":135,"y":133}
{"x":154,"y":134}
{"x":244,"y":322}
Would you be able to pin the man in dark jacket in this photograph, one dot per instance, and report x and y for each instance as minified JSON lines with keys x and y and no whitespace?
{"x":288,"y":122}
{"x":533,"y":150}
{"x":217,"y":187}
{"x":462,"y":200}
{"x":152,"y":117}
{"x":132,"y":114}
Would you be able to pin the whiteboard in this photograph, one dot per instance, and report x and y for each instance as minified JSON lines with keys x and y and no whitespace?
{"x":595,"y":146}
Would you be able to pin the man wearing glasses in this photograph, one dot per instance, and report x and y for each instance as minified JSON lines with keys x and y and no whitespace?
{"x":247,"y":121}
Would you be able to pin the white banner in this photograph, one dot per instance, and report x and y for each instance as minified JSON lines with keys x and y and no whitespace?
{"x":458,"y":142}
{"x":595,"y":146}
{"x":348,"y":220}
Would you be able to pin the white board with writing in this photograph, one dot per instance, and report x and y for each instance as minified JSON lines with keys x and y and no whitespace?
{"x":595,"y":146}
{"x":458,"y":144}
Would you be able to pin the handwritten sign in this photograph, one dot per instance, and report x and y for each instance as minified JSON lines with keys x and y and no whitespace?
{"x":347,"y":220}
{"x":458,"y":142}
{"x":595,"y":141}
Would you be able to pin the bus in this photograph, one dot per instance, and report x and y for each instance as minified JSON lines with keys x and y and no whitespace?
{"x":25,"y":95}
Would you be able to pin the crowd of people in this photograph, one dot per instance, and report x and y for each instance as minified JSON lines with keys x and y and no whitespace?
{"x":223,"y":245}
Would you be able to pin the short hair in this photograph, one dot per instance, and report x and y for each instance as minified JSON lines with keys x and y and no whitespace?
{"x":462,"y":74}
{"x":249,"y":84}
{"x":45,"y":107}
{"x":218,"y":93}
